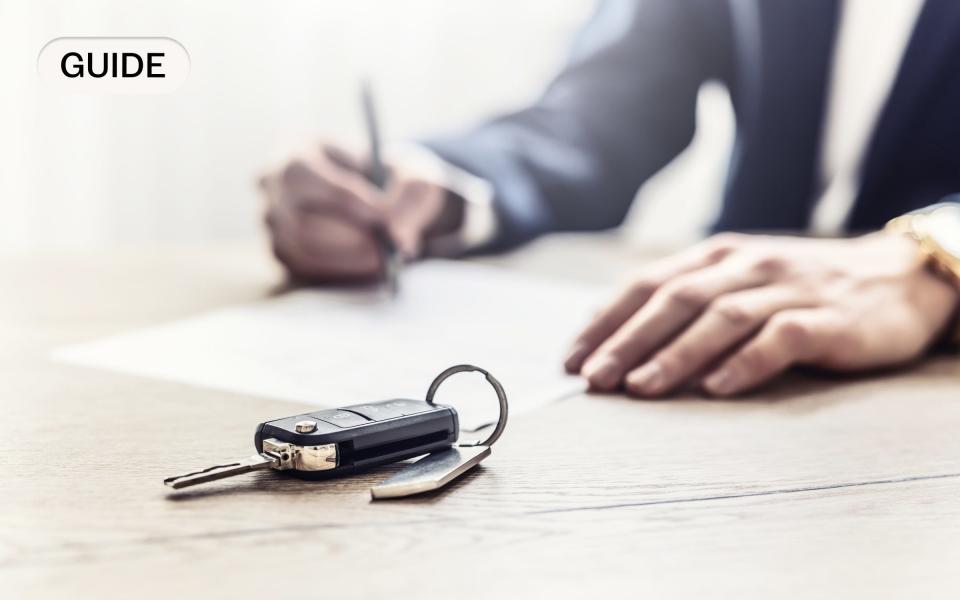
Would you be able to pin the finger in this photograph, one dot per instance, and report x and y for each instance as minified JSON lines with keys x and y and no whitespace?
{"x":634,"y":296}
{"x":278,"y":212}
{"x":726,"y":322}
{"x":789,"y":337}
{"x":671,"y":308}
{"x":328,"y":250}
{"x":343,"y":158}
{"x":321,"y":248}
{"x":320,"y":186}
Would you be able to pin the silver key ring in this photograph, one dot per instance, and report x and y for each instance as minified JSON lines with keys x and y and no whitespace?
{"x":501,"y":396}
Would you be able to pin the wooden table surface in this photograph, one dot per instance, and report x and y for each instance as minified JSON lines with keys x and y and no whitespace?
{"x":813,"y":487}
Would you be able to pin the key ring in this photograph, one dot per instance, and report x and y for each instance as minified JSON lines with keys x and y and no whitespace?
{"x":501,"y":396}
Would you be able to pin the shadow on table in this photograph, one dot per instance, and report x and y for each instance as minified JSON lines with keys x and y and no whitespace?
{"x":805,"y":390}
{"x":358,"y":484}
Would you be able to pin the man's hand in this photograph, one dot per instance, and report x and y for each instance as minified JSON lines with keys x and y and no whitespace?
{"x":323,"y":216}
{"x":736,"y":310}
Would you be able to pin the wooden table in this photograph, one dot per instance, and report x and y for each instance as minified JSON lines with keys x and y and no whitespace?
{"x":813,"y":487}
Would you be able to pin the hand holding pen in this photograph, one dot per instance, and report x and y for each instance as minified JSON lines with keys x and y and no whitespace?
{"x":329,"y":223}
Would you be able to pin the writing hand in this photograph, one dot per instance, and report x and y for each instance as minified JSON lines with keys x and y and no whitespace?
{"x":323,"y":215}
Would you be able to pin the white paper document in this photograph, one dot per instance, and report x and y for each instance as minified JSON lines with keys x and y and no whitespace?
{"x":334,"y":347}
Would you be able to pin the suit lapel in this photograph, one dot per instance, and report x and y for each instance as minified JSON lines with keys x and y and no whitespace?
{"x":934,"y":37}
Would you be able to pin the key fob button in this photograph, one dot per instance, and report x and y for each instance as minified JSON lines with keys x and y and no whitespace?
{"x":290,"y":425}
{"x":305,"y":426}
{"x":340,"y":418}
{"x":390,"y":409}
{"x":409,"y":407}
{"x":377,"y":411}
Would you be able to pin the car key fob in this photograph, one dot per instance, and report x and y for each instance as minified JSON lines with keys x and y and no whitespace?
{"x":341,"y":441}
{"x":335,"y":442}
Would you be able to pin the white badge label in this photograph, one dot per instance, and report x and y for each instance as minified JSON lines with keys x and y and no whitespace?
{"x":114,"y":65}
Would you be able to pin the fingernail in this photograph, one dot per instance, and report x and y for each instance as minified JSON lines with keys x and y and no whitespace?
{"x":602,"y":373}
{"x":575,"y":358}
{"x":648,"y":379}
{"x":720,"y":383}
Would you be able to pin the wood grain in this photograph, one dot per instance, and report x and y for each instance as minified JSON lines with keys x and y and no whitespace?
{"x":885,"y":541}
{"x":811,"y":484}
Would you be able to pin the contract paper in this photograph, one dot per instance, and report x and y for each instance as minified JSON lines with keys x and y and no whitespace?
{"x":332,"y":348}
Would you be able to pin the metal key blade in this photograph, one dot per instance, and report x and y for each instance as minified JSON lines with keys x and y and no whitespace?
{"x":431,"y":472}
{"x":253,"y":463}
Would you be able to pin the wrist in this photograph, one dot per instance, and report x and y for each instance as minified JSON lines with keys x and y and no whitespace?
{"x":466,"y":219}
{"x":935,"y":235}
{"x":416,"y":209}
{"x":442,"y":215}
{"x":447,"y":224}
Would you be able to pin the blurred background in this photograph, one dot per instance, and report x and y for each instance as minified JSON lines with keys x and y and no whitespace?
{"x":268,"y":79}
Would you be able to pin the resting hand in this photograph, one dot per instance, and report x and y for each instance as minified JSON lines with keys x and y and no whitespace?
{"x":324,"y":216}
{"x":736,"y":310}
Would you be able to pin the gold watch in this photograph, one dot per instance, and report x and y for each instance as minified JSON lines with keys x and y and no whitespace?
{"x":937,"y":233}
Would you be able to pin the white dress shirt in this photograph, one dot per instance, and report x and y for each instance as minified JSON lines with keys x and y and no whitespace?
{"x":871,"y":39}
{"x":872,"y":36}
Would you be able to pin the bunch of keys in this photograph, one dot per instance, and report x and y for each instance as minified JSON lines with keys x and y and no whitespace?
{"x":341,"y":441}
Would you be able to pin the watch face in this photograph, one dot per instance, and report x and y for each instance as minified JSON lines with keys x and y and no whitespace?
{"x":943,"y":225}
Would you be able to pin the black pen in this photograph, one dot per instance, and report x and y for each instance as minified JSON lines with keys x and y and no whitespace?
{"x":377,"y":173}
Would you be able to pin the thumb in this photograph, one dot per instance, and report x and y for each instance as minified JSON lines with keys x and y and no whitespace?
{"x":342,"y":157}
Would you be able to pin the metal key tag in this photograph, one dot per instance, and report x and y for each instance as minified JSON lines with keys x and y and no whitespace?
{"x":436,"y":470}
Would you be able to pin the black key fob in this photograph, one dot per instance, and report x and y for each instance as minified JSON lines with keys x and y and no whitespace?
{"x":340,"y":441}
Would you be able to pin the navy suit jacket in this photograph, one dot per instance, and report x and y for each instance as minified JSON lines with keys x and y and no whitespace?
{"x":625,"y":104}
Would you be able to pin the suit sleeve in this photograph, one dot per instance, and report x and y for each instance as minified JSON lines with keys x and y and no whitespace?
{"x":621,"y":109}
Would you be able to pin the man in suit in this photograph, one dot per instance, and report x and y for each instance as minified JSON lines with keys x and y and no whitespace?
{"x":848,"y":115}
